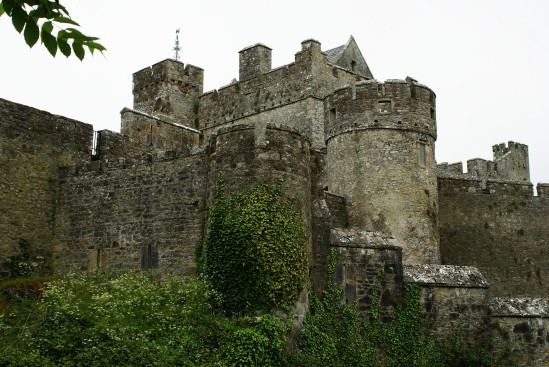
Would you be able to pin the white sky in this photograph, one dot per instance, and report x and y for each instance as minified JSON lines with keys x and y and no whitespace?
{"x":487,"y":60}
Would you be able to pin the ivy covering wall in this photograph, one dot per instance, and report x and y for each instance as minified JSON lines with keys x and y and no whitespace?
{"x":255,"y":253}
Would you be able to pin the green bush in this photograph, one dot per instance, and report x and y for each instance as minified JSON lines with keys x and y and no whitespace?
{"x":255,"y":344}
{"x":133,"y":319}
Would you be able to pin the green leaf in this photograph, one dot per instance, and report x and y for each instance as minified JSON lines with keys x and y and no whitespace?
{"x":47,"y":27}
{"x":32,"y":32}
{"x":1,"y":9}
{"x":56,"y":5}
{"x":64,"y":47}
{"x":48,"y":40}
{"x":62,"y":34}
{"x":65,"y":20}
{"x":75,"y":33}
{"x":78,"y":50}
{"x":8,"y":6}
{"x":38,"y":12}
{"x":95,"y":46}
{"x":19,"y":18}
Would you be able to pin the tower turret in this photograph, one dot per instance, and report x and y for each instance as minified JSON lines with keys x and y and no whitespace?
{"x":254,"y":61}
{"x":170,"y":90}
{"x":381,"y":157}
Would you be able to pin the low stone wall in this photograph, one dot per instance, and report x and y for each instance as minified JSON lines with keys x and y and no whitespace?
{"x":454,"y":299}
{"x":521,"y":324}
{"x":364,"y":262}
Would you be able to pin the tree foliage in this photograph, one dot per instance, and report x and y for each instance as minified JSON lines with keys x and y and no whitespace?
{"x":44,"y":20}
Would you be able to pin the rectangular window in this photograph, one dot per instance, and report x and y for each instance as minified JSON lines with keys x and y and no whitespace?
{"x":422,"y":155}
{"x":384,"y":106}
{"x":333,"y":115}
{"x":433,"y":113}
{"x":96,"y":259}
{"x":149,"y":257}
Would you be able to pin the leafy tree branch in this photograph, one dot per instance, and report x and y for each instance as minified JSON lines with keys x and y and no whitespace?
{"x":45,"y":20}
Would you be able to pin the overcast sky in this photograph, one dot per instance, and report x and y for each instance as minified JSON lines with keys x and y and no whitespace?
{"x":486,"y":60}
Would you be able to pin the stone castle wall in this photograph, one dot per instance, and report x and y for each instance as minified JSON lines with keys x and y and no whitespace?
{"x":499,"y":227}
{"x":291,"y":95}
{"x":366,"y":263}
{"x":33,"y":146}
{"x":453,"y":299}
{"x":131,"y":208}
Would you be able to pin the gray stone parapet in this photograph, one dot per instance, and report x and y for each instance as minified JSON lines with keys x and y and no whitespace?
{"x":519,"y":307}
{"x":351,"y":237}
{"x":445,"y":276}
{"x":395,"y":104}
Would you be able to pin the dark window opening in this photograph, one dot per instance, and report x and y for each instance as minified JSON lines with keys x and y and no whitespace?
{"x":353,"y":65}
{"x":333,"y":115}
{"x":96,"y":259}
{"x":433,"y":113}
{"x":96,"y":142}
{"x":149,"y":257}
{"x":422,"y":154}
{"x":384,"y":106}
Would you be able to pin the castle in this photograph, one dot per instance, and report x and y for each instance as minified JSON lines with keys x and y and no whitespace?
{"x":356,"y":153}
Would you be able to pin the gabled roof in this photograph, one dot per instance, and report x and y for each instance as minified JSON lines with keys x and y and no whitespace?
{"x":334,"y":53}
{"x":348,"y":56}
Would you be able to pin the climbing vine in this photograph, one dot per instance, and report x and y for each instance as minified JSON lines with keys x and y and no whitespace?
{"x":255,"y":253}
{"x":25,"y":264}
{"x":336,"y":335}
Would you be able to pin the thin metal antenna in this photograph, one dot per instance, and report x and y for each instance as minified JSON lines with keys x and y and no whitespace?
{"x":177,"y":48}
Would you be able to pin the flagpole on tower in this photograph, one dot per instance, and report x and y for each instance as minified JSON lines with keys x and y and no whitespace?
{"x":177,"y":48}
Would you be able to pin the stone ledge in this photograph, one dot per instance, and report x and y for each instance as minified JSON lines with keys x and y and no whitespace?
{"x":519,"y":307}
{"x":360,"y":238}
{"x":445,"y":276}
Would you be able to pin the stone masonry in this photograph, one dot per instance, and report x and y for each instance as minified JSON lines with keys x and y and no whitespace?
{"x":357,"y":154}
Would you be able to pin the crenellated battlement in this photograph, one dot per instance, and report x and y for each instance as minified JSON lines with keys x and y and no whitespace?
{"x":510,"y":164}
{"x":500,"y":150}
{"x":169,"y":89}
{"x":291,"y":94}
{"x":474,"y":186}
{"x":168,"y":71}
{"x":395,"y":104}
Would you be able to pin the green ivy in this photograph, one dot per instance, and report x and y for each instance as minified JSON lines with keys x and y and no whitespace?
{"x":336,"y":335}
{"x":258,"y":342}
{"x":25,"y":264}
{"x":255,"y":253}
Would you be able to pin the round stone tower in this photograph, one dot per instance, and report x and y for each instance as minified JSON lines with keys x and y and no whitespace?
{"x":381,"y":157}
{"x":248,"y":154}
